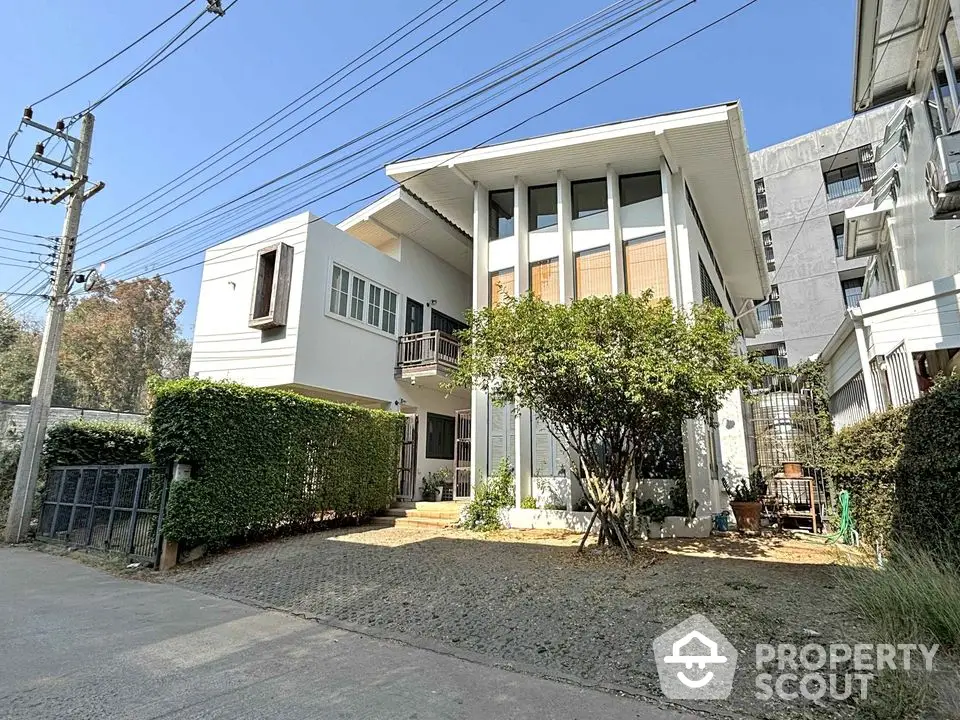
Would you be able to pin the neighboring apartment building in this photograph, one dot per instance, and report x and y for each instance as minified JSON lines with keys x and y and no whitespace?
{"x":803,"y":186}
{"x":362,"y":314}
{"x":906,"y":329}
{"x":664,"y":202}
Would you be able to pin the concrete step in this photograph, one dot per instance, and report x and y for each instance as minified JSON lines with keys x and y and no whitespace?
{"x":411,"y":513}
{"x":447,"y":505}
{"x":422,"y":522}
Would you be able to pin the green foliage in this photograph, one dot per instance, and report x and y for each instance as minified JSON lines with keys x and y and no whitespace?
{"x":8,"y":472}
{"x":610,"y":376}
{"x":657,"y":512}
{"x":81,"y":442}
{"x":490,"y":496}
{"x":267,"y":459}
{"x":528,"y":502}
{"x":928,"y":482}
{"x":434,"y":481}
{"x":863,"y":459}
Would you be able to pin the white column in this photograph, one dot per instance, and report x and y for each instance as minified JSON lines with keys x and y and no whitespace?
{"x":521,"y":278}
{"x":670,"y":230}
{"x":618,"y":281}
{"x":685,"y":256}
{"x":481,"y":289}
{"x":565,"y":227}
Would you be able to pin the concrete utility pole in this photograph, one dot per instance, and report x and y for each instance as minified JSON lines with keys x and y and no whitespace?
{"x":35,"y":432}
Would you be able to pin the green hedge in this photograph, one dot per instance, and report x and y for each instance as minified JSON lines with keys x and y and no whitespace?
{"x":902,"y":468}
{"x":81,"y":442}
{"x":928,"y":484}
{"x":266,"y":459}
{"x":864,"y":459}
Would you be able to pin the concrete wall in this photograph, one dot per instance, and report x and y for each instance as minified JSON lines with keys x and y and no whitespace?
{"x":809,"y":276}
{"x":13,"y":417}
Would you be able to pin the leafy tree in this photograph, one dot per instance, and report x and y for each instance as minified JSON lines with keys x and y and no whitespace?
{"x":610,"y":376}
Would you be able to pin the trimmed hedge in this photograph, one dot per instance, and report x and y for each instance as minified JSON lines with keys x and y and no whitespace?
{"x":928,"y":484}
{"x":82,"y":442}
{"x":902,"y":468}
{"x":863,"y":459}
{"x":265,"y":459}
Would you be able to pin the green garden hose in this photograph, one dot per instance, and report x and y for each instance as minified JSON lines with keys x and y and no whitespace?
{"x":846,"y":533}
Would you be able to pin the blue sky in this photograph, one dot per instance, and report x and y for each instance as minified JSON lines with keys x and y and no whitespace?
{"x":789,"y":63}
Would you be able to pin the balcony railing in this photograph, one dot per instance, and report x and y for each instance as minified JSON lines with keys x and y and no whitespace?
{"x":427,"y":349}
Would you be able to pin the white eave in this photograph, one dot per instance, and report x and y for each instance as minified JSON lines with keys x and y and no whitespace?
{"x":400,"y":215}
{"x":707,"y":144}
{"x":895,"y":45}
{"x":864,"y":227}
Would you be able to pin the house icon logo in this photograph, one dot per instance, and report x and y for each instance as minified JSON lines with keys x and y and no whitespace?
{"x":695,"y":661}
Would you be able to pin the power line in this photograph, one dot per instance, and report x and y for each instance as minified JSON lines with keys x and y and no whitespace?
{"x":447,"y":158}
{"x":353,"y":156}
{"x":114,"y":56}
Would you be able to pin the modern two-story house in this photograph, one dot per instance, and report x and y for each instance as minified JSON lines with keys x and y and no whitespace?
{"x":906,"y":330}
{"x":663,"y":203}
{"x":362,"y":313}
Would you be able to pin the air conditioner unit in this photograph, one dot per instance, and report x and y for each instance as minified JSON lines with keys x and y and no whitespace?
{"x":943,"y":177}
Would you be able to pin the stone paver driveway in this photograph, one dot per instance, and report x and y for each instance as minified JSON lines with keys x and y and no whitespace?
{"x":539,"y":605}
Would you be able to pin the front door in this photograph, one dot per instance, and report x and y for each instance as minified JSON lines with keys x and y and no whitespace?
{"x":414,"y":317}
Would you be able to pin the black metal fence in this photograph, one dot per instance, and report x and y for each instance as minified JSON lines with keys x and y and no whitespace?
{"x":114,"y":508}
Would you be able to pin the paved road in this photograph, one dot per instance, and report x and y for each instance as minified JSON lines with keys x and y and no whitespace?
{"x":78,"y":643}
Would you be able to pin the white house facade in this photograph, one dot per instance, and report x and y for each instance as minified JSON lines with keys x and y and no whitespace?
{"x":665,"y":203}
{"x":906,"y":329}
{"x":326,"y":311}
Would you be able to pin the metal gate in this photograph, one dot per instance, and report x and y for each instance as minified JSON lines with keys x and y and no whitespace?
{"x":407,"y":473}
{"x":784,"y":427}
{"x":115,"y":508}
{"x":461,"y":480}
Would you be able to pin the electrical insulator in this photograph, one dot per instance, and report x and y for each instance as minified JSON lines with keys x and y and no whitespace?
{"x":60,"y":125}
{"x":28,"y":113}
{"x":39,"y":150}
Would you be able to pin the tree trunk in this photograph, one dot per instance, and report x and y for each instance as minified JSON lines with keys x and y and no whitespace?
{"x":612,"y":531}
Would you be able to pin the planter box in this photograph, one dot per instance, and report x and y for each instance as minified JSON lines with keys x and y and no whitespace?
{"x":528,"y":519}
{"x":675,"y":526}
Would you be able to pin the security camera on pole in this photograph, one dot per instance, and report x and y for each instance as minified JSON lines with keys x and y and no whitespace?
{"x":35,"y":431}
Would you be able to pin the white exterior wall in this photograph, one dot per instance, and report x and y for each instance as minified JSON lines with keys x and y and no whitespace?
{"x":844,"y":363}
{"x":319,"y":353}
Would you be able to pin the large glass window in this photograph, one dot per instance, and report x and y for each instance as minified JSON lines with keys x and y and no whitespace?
{"x":645,"y":262}
{"x":501,"y":286}
{"x":501,"y":214}
{"x":593,"y":274}
{"x":440,"y":438}
{"x":589,"y":197}
{"x":350,"y":295}
{"x":545,"y":279}
{"x":843,"y":181}
{"x":542,"y":201}
{"x":852,"y":290}
{"x":639,"y":188}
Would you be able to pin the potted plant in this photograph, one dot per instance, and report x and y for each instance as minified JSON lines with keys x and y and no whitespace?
{"x":432,"y":486}
{"x":746,"y":505}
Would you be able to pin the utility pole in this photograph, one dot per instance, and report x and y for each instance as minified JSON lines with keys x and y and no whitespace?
{"x":35,"y":432}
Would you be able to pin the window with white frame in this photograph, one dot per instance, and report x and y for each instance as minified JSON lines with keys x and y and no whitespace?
{"x":362,"y":300}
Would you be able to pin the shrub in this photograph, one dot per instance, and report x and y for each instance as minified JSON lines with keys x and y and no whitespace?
{"x":265,"y":459}
{"x":8,"y":473}
{"x":490,"y":496}
{"x":863,"y":459}
{"x":528,"y":502}
{"x":81,"y":442}
{"x":928,"y":481}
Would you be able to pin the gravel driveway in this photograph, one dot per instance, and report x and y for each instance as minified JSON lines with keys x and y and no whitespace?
{"x":530,"y":601}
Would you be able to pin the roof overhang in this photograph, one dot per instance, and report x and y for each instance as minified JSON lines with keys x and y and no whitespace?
{"x":400,"y":215}
{"x":896,"y":43}
{"x":707,"y":144}
{"x":864,"y":228}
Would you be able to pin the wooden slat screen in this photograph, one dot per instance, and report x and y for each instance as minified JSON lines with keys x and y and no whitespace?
{"x":593,"y":273}
{"x":501,"y":285}
{"x":545,"y":279}
{"x":646,"y":267}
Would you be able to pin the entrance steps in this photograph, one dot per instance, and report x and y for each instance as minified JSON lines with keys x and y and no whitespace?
{"x":420,"y":514}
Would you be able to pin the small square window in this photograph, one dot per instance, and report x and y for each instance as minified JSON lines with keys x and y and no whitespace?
{"x":639,"y":188}
{"x":852,"y":291}
{"x":589,"y":197}
{"x":542,"y":201}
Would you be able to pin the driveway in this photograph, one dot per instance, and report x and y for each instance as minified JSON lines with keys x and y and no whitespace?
{"x":79,"y":643}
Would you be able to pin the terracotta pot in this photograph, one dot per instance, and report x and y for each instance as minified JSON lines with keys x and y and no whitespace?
{"x":793,"y":469}
{"x":747,"y":515}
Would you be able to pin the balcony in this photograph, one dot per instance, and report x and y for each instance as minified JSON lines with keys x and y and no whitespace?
{"x":426,"y":357}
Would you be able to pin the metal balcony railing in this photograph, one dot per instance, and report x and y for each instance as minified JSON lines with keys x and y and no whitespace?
{"x":427,"y":348}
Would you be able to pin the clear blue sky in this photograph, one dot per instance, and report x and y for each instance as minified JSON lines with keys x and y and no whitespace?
{"x":789,"y":63}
